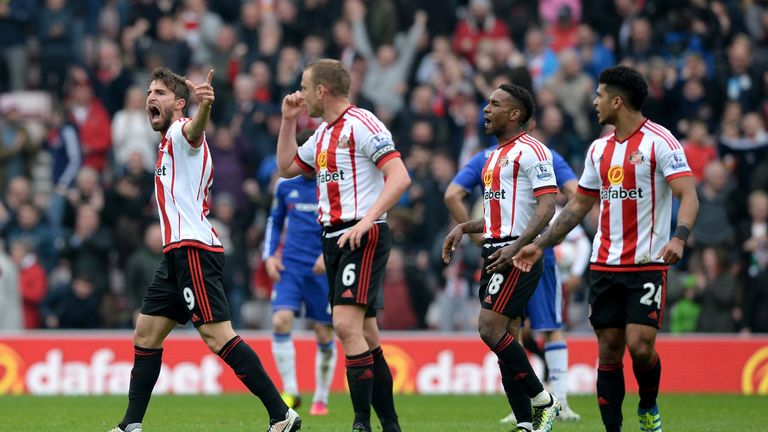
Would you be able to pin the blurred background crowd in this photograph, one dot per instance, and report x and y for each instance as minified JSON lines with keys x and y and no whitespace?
{"x":78,"y":221}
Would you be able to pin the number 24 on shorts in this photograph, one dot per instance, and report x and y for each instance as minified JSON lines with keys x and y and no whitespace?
{"x":653,"y":295}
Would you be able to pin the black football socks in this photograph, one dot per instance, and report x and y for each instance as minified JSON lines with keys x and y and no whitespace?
{"x":360,"y":379}
{"x":610,"y":394}
{"x":146,"y":369}
{"x":514,"y":358}
{"x":382,"y":398}
{"x":248,"y":368}
{"x":518,"y":399}
{"x":648,"y":377}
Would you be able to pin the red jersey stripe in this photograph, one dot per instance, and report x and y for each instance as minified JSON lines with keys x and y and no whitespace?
{"x":160,"y":192}
{"x":515,"y":172}
{"x":678,"y":175}
{"x":194,"y":244}
{"x":628,"y":269}
{"x":507,"y":290}
{"x":202,"y":174}
{"x":544,"y":191}
{"x":371,"y":119}
{"x":629,"y":206}
{"x":386,"y":158}
{"x":671,"y":141}
{"x":354,"y":165}
{"x":364,"y":119}
{"x":198,"y":295}
{"x":334,"y":196}
{"x":652,"y":179}
{"x":587,"y":192}
{"x":663,"y":297}
{"x":605,"y":214}
{"x":540,"y":153}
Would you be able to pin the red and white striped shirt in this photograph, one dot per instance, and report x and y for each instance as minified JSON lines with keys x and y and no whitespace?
{"x":631,"y":180}
{"x":515,"y":173}
{"x":183,"y":178}
{"x":346,"y":156}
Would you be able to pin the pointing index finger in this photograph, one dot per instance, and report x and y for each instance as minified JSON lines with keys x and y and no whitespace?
{"x":209,"y":78}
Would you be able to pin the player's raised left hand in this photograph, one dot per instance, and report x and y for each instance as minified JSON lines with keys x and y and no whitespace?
{"x":672,"y":251}
{"x":502,"y":259}
{"x":355,"y":234}
{"x":202,"y":92}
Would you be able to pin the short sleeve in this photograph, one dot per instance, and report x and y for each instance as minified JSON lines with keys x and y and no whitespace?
{"x":179,"y":138}
{"x":589,"y":183}
{"x":379,"y":147}
{"x":563,"y":172}
{"x":672,"y":160}
{"x":305,"y":157}
{"x":540,"y":172}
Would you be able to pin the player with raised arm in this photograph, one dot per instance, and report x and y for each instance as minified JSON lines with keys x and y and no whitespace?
{"x":188,"y":282}
{"x":633,"y":172}
{"x":544,"y":309}
{"x":299,"y":274}
{"x":351,"y":154}
{"x":519,"y":200}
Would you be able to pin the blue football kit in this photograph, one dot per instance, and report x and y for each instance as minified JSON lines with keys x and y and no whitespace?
{"x":294,"y":210}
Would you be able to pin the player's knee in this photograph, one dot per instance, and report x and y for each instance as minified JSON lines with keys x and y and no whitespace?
{"x":641,"y":354}
{"x":490,"y":333}
{"x":144,"y":338}
{"x":281,"y":323}
{"x":346,"y":330}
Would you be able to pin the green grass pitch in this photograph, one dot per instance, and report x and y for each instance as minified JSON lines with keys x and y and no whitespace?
{"x":243,"y":413}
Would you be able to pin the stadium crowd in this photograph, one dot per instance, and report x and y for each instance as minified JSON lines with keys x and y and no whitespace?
{"x":77,"y":155}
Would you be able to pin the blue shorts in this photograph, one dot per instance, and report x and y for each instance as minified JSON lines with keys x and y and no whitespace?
{"x":545,"y":308}
{"x":298,"y":285}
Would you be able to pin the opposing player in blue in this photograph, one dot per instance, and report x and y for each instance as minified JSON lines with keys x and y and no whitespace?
{"x":545,"y":306}
{"x":299,"y":275}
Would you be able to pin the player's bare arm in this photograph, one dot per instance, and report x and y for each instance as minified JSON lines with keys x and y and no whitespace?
{"x":204,"y":94}
{"x":572,"y":215}
{"x":454,"y":237}
{"x":397,"y":181}
{"x":545,"y":209}
{"x":684,"y":189}
{"x":274,"y":265}
{"x":454,"y":201}
{"x":293,"y":106}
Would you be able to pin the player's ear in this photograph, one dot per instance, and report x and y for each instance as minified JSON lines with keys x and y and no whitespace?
{"x":514,"y":114}
{"x":181,"y":104}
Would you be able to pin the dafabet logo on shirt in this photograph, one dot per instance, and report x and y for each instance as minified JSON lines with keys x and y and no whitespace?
{"x":616,"y":174}
{"x":322,"y":159}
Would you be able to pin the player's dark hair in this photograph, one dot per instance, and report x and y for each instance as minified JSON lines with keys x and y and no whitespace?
{"x":330,"y":73}
{"x":175,"y":82}
{"x":524,"y":99}
{"x":627,"y":83}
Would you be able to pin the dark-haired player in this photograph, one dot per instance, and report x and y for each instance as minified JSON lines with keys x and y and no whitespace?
{"x":519,"y":190}
{"x":351,"y":154}
{"x":633,"y":172}
{"x":188,"y":283}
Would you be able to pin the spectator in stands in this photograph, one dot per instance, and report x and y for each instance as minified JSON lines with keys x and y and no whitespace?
{"x":29,"y":224}
{"x":14,"y":17}
{"x":201,"y":26}
{"x":73,"y":306}
{"x":405,"y":287}
{"x":33,"y":282}
{"x":131,"y":132}
{"x":16,"y":147}
{"x":594,"y":55}
{"x":11,"y":317}
{"x":479,"y":24}
{"x":551,"y":130}
{"x":110,"y":79}
{"x":55,"y":31}
{"x":248,"y":27}
{"x":88,"y":191}
{"x":699,"y":148}
{"x":141,"y":265}
{"x":389,"y":66}
{"x":714,"y":226}
{"x":92,"y":120}
{"x":541,"y":60}
{"x":740,"y":81}
{"x":754,"y":244}
{"x":17,"y":193}
{"x":88,"y":248}
{"x":167,"y":46}
{"x":575,"y":91}
{"x":230,"y":173}
{"x":717,"y":293}
{"x":63,"y":144}
{"x":129,"y":205}
{"x":562,"y":32}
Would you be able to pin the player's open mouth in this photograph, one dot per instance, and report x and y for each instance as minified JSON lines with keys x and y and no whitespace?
{"x":154,"y":113}
{"x":487,"y":121}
